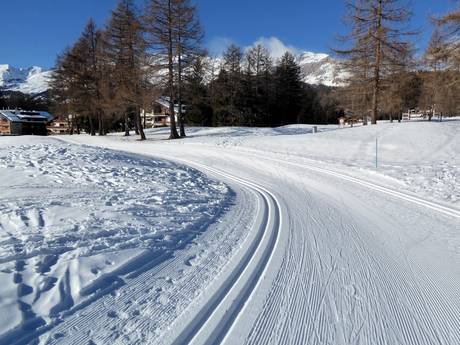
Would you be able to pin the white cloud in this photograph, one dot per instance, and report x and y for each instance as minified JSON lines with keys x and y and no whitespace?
{"x":276,"y":47}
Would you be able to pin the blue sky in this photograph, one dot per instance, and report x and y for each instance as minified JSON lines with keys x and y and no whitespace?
{"x":35,"y":31}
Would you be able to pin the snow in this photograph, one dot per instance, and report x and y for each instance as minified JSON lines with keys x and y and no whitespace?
{"x":322,"y":69}
{"x":304,"y":240}
{"x":310,"y":57}
{"x":317,"y":68}
{"x":73,"y":218}
{"x":419,"y":156}
{"x":33,"y":80}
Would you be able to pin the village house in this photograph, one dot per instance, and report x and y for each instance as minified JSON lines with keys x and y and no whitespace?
{"x":160,"y":115}
{"x":350,"y":119}
{"x":22,"y":122}
{"x":59,"y":126}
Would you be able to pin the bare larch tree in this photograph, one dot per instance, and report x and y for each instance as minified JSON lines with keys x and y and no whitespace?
{"x":376,"y":42}
{"x":160,"y":24}
{"x":188,"y":35}
{"x":127,"y":52}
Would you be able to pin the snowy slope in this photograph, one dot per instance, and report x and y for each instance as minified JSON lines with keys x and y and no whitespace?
{"x":313,"y":246}
{"x":33,"y":80}
{"x":74,"y":219}
{"x":321,"y":69}
{"x":316,"y":69}
{"x":422,"y":157}
{"x":346,"y":254}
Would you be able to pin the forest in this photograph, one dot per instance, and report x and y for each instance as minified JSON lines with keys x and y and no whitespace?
{"x":111,"y":74}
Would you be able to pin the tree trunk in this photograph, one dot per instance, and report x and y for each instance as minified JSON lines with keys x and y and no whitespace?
{"x":173,"y":134}
{"x":126,"y":124}
{"x":91,"y":125}
{"x":144,"y":119}
{"x":179,"y":96}
{"x":70,"y":125}
{"x":378,"y":61}
{"x":77,"y":125}
{"x":139,"y":124}
{"x":101,"y":125}
{"x":136,"y":124}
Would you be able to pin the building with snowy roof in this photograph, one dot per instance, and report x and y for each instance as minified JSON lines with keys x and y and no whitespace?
{"x":160,"y":115}
{"x":22,"y":122}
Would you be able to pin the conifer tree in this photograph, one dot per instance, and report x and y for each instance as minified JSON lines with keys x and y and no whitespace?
{"x":450,"y":76}
{"x":188,"y":35}
{"x":434,"y":59}
{"x":196,"y":94}
{"x":378,"y":36}
{"x":160,"y":26}
{"x":126,"y":49}
{"x":233,"y":58}
{"x":259,"y":72}
{"x":288,"y":86}
{"x":78,"y":78}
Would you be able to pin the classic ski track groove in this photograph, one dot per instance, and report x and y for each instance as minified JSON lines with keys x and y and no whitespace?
{"x":401,"y":195}
{"x":407,"y":334}
{"x":241,"y":281}
{"x":221,"y":306}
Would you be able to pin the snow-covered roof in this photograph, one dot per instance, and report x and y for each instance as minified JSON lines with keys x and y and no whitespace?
{"x":26,"y":116}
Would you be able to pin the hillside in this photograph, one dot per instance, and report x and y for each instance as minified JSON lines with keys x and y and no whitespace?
{"x":317,"y":69}
{"x":32,"y":80}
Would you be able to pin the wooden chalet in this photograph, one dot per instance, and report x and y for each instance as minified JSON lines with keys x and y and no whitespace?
{"x":160,"y":115}
{"x":22,"y":122}
{"x":349,"y":120}
{"x":59,"y":126}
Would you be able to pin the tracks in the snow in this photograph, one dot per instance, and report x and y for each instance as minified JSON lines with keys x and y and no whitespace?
{"x":212,"y":316}
{"x":216,"y":317}
{"x":213,"y":319}
{"x":400,"y":195}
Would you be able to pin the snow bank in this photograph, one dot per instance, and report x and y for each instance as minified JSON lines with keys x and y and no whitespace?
{"x":75,"y":220}
{"x":419,"y":156}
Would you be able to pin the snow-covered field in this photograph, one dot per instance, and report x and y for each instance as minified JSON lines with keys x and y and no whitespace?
{"x":234,"y":235}
{"x":421,"y":157}
{"x":74,"y":219}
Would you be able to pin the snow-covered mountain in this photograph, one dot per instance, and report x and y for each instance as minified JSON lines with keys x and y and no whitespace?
{"x":33,"y":80}
{"x":317,"y":69}
{"x":321,"y":69}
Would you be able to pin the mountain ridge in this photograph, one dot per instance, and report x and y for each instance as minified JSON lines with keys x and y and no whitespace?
{"x":31,"y":80}
{"x":317,"y":69}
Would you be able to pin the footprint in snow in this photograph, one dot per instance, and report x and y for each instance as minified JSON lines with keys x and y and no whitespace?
{"x":191,"y":261}
{"x":163,"y":299}
{"x":112,"y":314}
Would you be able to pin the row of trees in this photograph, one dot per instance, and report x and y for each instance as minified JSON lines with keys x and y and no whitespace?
{"x":442,"y":59}
{"x":384,"y":75}
{"x":110,"y":74}
{"x":250,"y":89}
{"x":19,"y":100}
